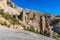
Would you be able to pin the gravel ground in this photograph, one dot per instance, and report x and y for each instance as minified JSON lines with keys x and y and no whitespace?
{"x":7,"y":34}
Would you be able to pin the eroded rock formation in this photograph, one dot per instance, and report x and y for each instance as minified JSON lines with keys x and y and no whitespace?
{"x":45,"y":27}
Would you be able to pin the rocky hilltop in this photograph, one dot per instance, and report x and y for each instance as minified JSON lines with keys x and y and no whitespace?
{"x":16,"y":17}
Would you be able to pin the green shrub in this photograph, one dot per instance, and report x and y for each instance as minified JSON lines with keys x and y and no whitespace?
{"x":32,"y":29}
{"x":28,"y":29}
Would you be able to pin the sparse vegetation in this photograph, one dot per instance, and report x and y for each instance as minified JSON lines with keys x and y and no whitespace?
{"x":32,"y":29}
{"x":7,"y":16}
{"x":56,"y":36}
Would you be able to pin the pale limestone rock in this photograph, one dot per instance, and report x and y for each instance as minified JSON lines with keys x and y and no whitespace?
{"x":3,"y":4}
{"x":18,"y":27}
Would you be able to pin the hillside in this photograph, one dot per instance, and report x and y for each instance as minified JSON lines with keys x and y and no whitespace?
{"x":14,"y":17}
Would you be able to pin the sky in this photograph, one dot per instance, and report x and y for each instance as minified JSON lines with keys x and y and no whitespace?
{"x":51,"y":6}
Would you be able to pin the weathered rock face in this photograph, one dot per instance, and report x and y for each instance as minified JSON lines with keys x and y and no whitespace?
{"x":42,"y":24}
{"x":31,"y":15}
{"x":57,"y":28}
{"x":45,"y":27}
{"x":56,"y":25}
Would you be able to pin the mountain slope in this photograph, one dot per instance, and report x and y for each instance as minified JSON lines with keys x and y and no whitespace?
{"x":21,"y":18}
